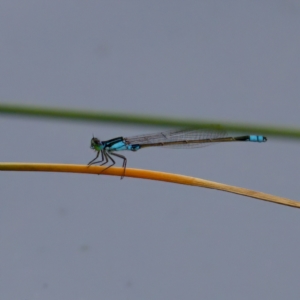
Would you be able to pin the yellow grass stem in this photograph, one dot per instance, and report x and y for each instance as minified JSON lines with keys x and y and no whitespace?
{"x":147,"y":174}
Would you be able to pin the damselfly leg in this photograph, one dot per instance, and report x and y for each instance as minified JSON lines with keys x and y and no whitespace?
{"x":124,"y":162}
{"x":93,"y":162}
{"x":107,"y":158}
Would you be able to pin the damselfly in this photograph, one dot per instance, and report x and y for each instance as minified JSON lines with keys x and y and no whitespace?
{"x":176,"y":139}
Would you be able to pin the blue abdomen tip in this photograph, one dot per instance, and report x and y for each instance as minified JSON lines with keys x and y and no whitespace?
{"x":257,"y":138}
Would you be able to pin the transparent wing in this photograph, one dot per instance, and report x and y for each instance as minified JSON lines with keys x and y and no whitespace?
{"x":178,"y":135}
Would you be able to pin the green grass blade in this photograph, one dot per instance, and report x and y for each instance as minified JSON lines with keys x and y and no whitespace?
{"x":132,"y":119}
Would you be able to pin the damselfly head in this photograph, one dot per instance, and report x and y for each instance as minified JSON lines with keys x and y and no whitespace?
{"x":95,"y":142}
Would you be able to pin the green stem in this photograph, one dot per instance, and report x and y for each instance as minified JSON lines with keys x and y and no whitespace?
{"x":91,"y":116}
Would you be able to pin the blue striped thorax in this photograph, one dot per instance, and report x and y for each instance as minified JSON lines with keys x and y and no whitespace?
{"x":116,"y":144}
{"x":119,"y":144}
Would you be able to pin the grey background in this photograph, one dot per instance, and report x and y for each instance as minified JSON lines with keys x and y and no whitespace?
{"x":65,"y":236}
